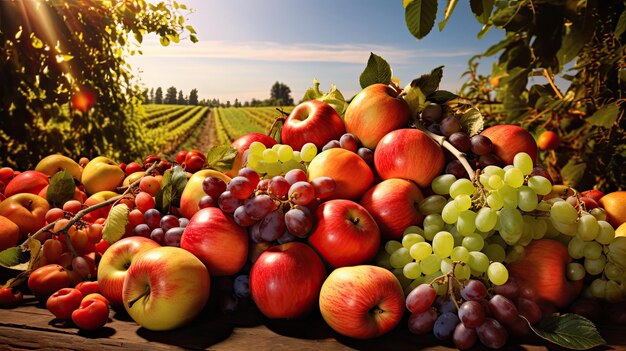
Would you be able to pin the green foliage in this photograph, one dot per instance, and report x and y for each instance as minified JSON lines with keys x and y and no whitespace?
{"x":52,"y":50}
{"x":581,"y":42}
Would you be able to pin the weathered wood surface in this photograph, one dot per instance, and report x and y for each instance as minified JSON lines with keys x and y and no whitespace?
{"x":32,"y":327}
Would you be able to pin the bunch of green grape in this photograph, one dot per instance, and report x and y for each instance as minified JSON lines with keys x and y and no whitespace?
{"x":279,"y":159}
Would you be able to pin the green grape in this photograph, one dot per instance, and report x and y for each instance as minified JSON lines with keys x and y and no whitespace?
{"x":275,"y":147}
{"x":256,"y":148}
{"x":494,"y":252}
{"x":484,"y":181}
{"x":576,"y":248}
{"x":513,"y":177}
{"x":296,"y":156}
{"x":567,"y":229}
{"x":459,"y":253}
{"x":382,"y":259}
{"x":432,"y":204}
{"x":495,"y":182}
{"x":412,"y":270}
{"x":450,"y":213}
{"x":595,"y":266}
{"x":523,"y":162}
{"x":462,"y":272}
{"x":551,"y":231}
{"x":598,"y":288}
{"x":539,"y":227}
{"x":495,"y":201}
{"x":434,"y":220}
{"x":430,"y":264}
{"x":541,"y":185}
{"x":441,"y":184}
{"x":420,"y":250}
{"x":261,"y":168}
{"x":615,"y":271}
{"x":443,"y":243}
{"x":514,"y":254}
{"x":270,"y":155}
{"x":399,"y":273}
{"x":486,"y":219}
{"x":575,"y":271}
{"x":392,"y":246}
{"x":430,"y":231}
{"x":400,"y":257}
{"x":509,"y":196}
{"x":414,"y":230}
{"x":613,"y":292}
{"x":473,"y":242}
{"x":599,"y":213}
{"x":308,"y":152}
{"x":463,"y":202}
{"x":285,"y":153}
{"x":544,"y":206}
{"x":409,"y":239}
{"x":272,"y":169}
{"x":563,"y":212}
{"x":446,"y":265}
{"x":510,"y":238}
{"x":511,"y":221}
{"x":592,"y":250}
{"x":527,"y":235}
{"x":588,"y":227}
{"x":460,"y":187}
{"x":478,"y":261}
{"x":491,"y":170}
{"x":497,"y":273}
{"x":466,"y":223}
{"x":497,"y":239}
{"x":606,"y":233}
{"x":253,"y":160}
{"x":526,"y":199}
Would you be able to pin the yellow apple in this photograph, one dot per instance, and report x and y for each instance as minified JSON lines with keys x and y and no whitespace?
{"x":52,"y":164}
{"x":193,"y":191}
{"x":26,"y":210}
{"x":131,"y":178}
{"x":100,"y":174}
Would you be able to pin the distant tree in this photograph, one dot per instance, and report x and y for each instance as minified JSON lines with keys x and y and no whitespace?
{"x":227,"y":103}
{"x":246,"y":104}
{"x":151,"y":99}
{"x":158,"y":96}
{"x":193,"y":97}
{"x":170,"y":96}
{"x":281,"y":94}
{"x":237,"y":103}
{"x":144,"y":94}
{"x":181,"y":99}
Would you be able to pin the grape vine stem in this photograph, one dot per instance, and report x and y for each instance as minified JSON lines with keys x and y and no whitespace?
{"x":441,"y":140}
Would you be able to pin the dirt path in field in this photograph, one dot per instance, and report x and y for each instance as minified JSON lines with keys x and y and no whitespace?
{"x":207,"y":137}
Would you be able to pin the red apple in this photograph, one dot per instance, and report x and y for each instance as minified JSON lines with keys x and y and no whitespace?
{"x":374,"y":112}
{"x":312,"y":121}
{"x":97,"y":198}
{"x":346,"y":234}
{"x":351,"y":174}
{"x":217,"y":241}
{"x":508,"y":140}
{"x":165,"y":288}
{"x":548,"y":140}
{"x":84,"y":99}
{"x":9,"y":233}
{"x":26,"y":210}
{"x":242,"y":144}
{"x":26,"y":182}
{"x":362,"y":301}
{"x":285,"y":280}
{"x":615,"y":206}
{"x":114,"y":265}
{"x":394,"y":205}
{"x":543,"y":269}
{"x":409,"y":154}
{"x":593,"y":194}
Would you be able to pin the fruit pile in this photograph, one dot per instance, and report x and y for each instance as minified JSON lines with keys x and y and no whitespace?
{"x":401,"y":206}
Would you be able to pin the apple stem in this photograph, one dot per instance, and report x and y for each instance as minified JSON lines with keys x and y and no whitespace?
{"x":144,"y":294}
{"x":441,"y":140}
{"x":30,"y":205}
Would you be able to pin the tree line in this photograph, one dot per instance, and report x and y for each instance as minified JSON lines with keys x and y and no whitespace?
{"x":280,"y":95}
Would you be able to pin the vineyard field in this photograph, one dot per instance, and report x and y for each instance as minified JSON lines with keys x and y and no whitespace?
{"x":233,"y":122}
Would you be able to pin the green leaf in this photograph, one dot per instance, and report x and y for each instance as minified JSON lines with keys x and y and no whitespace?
{"x":138,"y":37}
{"x":573,"y":172}
{"x":13,"y":257}
{"x":172,"y":186}
{"x":376,"y":71}
{"x":415,"y":98}
{"x":61,"y":188}
{"x":482,"y":9}
{"x":191,"y":29}
{"x":575,"y":37}
{"x":164,"y":41}
{"x":314,"y":92}
{"x":472,"y":121}
{"x":440,"y":97}
{"x":334,"y":98}
{"x":503,"y":44}
{"x":221,"y":158}
{"x":620,"y":28}
{"x":420,"y":17}
{"x":484,"y":30}
{"x":504,"y":15}
{"x":115,"y":224}
{"x":446,"y":13}
{"x":429,"y":83}
{"x":606,"y":116}
{"x":570,"y":331}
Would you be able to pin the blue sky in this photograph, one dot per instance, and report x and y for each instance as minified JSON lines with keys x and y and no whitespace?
{"x":245,"y":46}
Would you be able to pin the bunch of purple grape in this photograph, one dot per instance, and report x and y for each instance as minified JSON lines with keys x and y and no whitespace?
{"x":476,"y":318}
{"x":478,"y":149}
{"x":277,"y":209}
{"x":165,"y":230}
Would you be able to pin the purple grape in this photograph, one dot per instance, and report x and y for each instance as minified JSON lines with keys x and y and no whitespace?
{"x":228,"y":202}
{"x":142,"y":230}
{"x":324,"y":187}
{"x":464,"y":337}
{"x":422,"y":323}
{"x":213,"y":186}
{"x":492,"y":334}
{"x":207,"y":201}
{"x":449,"y":126}
{"x":152,"y":218}
{"x":157,"y":235}
{"x":432,"y":113}
{"x":445,"y":304}
{"x":259,"y":206}
{"x":421,"y":298}
{"x":461,"y":141}
{"x":331,"y":145}
{"x":366,"y":154}
{"x":182,"y":222}
{"x":445,"y":325}
{"x":251,"y":175}
{"x":503,"y":309}
{"x":301,"y":193}
{"x":240,"y":187}
{"x":349,"y":142}
{"x":279,"y":187}
{"x":168,"y":222}
{"x":510,"y":289}
{"x":529,"y":309}
{"x":474,"y":290}
{"x":299,"y":221}
{"x":519,"y":328}
{"x":296,"y":175}
{"x":490,"y":160}
{"x":172,"y":236}
{"x":272,"y":226}
{"x":480,"y":145}
{"x":455,"y":167}
{"x":472,"y":314}
{"x":241,"y":217}
{"x":241,"y":286}
{"x":287,"y":237}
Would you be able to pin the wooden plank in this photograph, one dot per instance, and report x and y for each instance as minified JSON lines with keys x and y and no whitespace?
{"x":32,"y":327}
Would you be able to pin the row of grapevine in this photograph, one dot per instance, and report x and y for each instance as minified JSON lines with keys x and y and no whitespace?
{"x":167,"y":115}
{"x":172,"y":125}
{"x":231,"y":122}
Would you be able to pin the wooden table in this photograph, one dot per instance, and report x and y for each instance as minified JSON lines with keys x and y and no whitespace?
{"x":32,"y":327}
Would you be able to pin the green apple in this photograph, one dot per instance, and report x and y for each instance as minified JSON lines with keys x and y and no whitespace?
{"x":52,"y":164}
{"x":100,"y":174}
